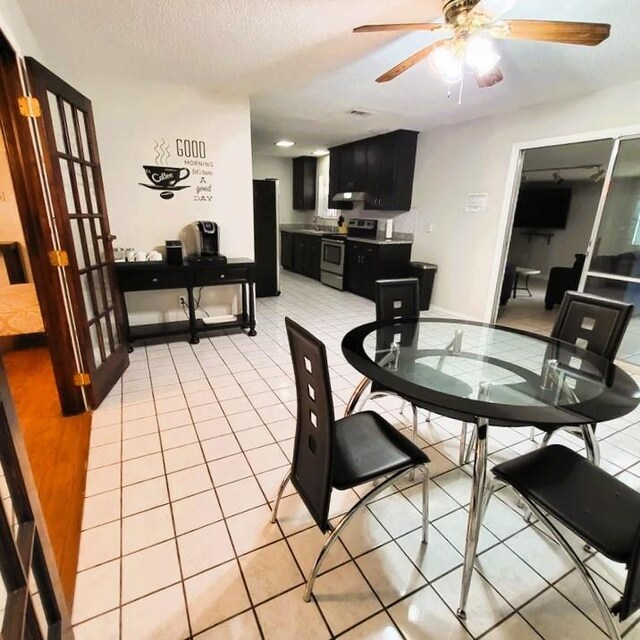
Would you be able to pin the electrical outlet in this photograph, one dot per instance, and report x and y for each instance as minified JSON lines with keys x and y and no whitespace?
{"x":182,"y":301}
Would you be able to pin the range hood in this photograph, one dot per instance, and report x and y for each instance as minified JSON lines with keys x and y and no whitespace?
{"x":352,"y":196}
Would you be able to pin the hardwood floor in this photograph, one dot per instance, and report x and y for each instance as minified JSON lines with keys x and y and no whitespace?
{"x":58,"y":448}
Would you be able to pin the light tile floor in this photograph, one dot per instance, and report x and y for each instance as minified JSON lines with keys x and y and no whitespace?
{"x":186,"y":457}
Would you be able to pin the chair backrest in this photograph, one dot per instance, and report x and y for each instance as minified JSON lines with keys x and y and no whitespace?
{"x":399,"y":298}
{"x":593,"y":323}
{"x":312,"y":465}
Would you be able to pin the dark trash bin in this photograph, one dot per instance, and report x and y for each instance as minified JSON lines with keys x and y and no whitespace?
{"x":426,"y":273}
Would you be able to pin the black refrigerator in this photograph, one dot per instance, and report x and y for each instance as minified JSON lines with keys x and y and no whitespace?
{"x":265,"y":233}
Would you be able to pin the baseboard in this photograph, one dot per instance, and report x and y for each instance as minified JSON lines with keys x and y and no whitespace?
{"x":448,"y":313}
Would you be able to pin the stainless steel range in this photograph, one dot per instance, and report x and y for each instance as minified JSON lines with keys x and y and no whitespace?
{"x":332,"y":259}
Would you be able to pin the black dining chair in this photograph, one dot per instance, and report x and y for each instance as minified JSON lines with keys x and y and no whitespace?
{"x":395,"y":299}
{"x":589,"y":322}
{"x":339,"y":454}
{"x":555,"y":482}
{"x":597,"y":325}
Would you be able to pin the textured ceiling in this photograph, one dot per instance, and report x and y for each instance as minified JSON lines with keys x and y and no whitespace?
{"x":305,"y":70}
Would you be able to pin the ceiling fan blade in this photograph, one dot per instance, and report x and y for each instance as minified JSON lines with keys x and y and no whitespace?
{"x":585,"y":33}
{"x":410,"y":61}
{"x":495,"y":8}
{"x":411,"y":26}
{"x":489,"y":79}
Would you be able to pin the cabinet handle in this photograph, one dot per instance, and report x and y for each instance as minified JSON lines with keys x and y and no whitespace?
{"x":154,"y":279}
{"x":222,"y":275}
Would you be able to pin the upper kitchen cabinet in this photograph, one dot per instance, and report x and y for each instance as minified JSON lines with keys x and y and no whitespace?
{"x":340,"y":170}
{"x":304,"y":183}
{"x":382,"y":167}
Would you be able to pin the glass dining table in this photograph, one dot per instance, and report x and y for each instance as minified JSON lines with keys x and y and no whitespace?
{"x":490,"y":376}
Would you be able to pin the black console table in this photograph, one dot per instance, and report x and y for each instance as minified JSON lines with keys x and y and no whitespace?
{"x":156,"y":276}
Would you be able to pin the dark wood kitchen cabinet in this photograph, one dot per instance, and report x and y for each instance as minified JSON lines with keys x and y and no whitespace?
{"x":340,"y":168}
{"x":366,"y":262}
{"x":304,"y":183}
{"x":306,"y":255}
{"x":286,"y":250}
{"x":382,"y":166}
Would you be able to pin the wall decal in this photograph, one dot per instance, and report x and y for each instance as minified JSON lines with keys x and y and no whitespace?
{"x":165,"y":178}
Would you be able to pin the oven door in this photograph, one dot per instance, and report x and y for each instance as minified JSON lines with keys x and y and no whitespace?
{"x":332,"y":256}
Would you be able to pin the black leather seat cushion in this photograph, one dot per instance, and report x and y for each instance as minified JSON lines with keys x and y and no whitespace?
{"x":599,"y":508}
{"x":367,"y":446}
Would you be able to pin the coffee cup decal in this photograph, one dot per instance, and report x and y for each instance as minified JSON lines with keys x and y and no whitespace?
{"x":166,"y":177}
{"x":162,"y":177}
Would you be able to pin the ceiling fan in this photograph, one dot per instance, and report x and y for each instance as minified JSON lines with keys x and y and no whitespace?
{"x":469,"y":28}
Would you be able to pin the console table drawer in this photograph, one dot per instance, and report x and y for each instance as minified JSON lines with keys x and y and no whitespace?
{"x":204,"y":277}
{"x":150,"y":280}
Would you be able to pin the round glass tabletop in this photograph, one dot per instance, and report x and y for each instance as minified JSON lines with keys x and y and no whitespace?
{"x":469,"y":370}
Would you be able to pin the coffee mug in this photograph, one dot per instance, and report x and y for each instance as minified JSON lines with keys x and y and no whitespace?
{"x":130,"y":254}
{"x":166,"y":177}
{"x":140,"y":256}
{"x":154,"y":256}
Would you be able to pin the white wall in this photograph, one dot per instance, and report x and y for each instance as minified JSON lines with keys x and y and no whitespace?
{"x":16,"y":29}
{"x":560,"y":251}
{"x":130,"y":117}
{"x":474,"y":157}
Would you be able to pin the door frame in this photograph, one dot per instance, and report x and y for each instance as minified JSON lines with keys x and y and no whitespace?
{"x":510,"y":199}
{"x":29,"y":183}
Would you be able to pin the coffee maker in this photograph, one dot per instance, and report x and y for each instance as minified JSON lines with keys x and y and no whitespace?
{"x":207,"y":235}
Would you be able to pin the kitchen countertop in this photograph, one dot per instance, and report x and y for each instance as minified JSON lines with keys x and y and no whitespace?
{"x":319,"y":234}
{"x":376,"y":241}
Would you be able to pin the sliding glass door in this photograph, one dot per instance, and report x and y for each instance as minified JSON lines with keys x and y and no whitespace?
{"x":612,"y":268}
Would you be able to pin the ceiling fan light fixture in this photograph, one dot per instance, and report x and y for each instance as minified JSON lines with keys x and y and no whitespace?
{"x":285,"y":144}
{"x":481,"y":55}
{"x":448,"y":63}
{"x":557,"y":178}
{"x":598,"y":175}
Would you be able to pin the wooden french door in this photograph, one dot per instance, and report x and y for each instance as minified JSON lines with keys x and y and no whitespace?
{"x":70,"y":153}
{"x":31,"y":599}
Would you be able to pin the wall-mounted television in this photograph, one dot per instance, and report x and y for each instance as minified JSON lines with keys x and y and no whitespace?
{"x":542,"y":207}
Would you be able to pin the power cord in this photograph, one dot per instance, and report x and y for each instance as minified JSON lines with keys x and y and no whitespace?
{"x":206,"y":313}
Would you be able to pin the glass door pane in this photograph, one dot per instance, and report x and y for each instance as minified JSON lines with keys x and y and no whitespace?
{"x":614,"y":271}
{"x":617,"y":245}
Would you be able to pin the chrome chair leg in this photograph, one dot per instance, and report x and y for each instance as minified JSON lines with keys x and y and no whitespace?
{"x":605,"y":612}
{"x":414,"y":435}
{"x":425,"y":503}
{"x":355,"y":396}
{"x":463,"y":443}
{"x":276,"y":504}
{"x":475,"y":512}
{"x":591,"y":443}
{"x":335,"y":534}
{"x":470,"y":445}
{"x":532,"y":434}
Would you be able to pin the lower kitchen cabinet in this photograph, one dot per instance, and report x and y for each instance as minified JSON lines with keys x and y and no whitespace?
{"x":367,"y":262}
{"x":286,"y":250}
{"x":306,"y":255}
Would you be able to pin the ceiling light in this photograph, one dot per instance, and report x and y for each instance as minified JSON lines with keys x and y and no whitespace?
{"x":477,"y":53}
{"x":321,"y":152}
{"x":448,"y":63}
{"x":285,"y":143}
{"x":557,"y":178}
{"x":481,"y":55}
